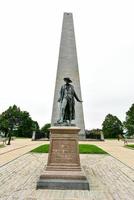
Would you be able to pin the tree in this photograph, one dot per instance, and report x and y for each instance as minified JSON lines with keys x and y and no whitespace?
{"x":9,"y":120}
{"x":112,"y":126}
{"x":45,"y":129}
{"x":4,"y":125}
{"x":26,"y":125}
{"x":13,"y":121}
{"x":93,"y":133}
{"x":129,"y":122}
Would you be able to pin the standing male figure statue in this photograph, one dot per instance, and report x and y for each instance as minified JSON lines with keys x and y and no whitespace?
{"x":67,"y":102}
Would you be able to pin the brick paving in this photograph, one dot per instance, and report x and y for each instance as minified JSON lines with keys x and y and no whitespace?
{"x":117,"y":150}
{"x":109,"y":179}
{"x":17,"y":148}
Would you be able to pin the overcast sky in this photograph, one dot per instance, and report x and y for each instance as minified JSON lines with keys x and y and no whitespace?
{"x":30,"y":34}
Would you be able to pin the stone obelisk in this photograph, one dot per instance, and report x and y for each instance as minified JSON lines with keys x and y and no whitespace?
{"x":63,"y":169}
{"x":68,"y":67}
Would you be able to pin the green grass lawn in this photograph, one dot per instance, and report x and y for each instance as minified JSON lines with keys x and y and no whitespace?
{"x":41,"y":149}
{"x":90,"y":148}
{"x":130,"y":145}
{"x":83,"y":149}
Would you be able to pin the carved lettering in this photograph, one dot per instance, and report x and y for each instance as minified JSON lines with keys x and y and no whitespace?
{"x":64,"y":151}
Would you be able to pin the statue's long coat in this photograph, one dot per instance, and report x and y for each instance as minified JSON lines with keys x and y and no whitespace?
{"x":70,"y":108}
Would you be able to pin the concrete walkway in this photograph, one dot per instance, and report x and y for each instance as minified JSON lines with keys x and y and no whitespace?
{"x":17,"y":148}
{"x":109,"y":179}
{"x":117,"y":150}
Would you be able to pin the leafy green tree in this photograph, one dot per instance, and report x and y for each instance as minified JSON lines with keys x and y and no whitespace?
{"x":3,"y":125}
{"x":9,"y":120}
{"x":45,"y":130}
{"x":112,"y":126}
{"x":35,"y":126}
{"x":93,"y":133}
{"x":25,"y":126}
{"x":16,"y":122}
{"x":129,"y":122}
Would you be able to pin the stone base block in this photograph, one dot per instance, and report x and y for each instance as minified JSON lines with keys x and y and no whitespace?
{"x":73,"y":180}
{"x":63,"y":184}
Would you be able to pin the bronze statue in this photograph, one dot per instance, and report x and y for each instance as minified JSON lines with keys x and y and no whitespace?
{"x":67,"y":102}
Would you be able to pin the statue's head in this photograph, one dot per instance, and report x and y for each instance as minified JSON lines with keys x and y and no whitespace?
{"x":67,"y":80}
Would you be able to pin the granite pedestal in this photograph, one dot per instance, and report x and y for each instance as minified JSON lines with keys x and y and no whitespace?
{"x":63,"y":170}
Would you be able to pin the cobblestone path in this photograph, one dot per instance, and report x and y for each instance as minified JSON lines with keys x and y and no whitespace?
{"x":109,"y":179}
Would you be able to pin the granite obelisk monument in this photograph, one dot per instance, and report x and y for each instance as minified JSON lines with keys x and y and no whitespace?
{"x":68,"y":67}
{"x":63,"y":170}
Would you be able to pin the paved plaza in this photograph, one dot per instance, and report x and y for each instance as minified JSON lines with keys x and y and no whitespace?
{"x":109,"y":178}
{"x":117,"y":150}
{"x":17,"y":148}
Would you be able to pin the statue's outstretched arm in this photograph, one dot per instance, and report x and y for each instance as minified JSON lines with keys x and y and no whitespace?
{"x":76,"y":97}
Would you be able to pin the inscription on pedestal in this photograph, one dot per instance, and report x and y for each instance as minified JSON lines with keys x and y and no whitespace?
{"x":64,"y":151}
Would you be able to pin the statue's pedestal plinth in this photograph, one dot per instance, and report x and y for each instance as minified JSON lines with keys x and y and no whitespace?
{"x":63,"y":170}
